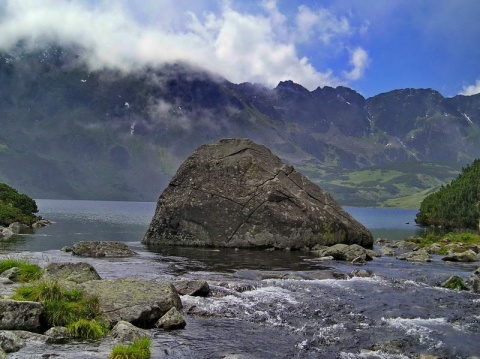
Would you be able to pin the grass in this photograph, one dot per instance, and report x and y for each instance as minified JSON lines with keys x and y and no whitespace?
{"x":457,"y":242}
{"x":64,"y":307}
{"x":139,"y":349}
{"x":87,"y":329}
{"x":27,"y":271}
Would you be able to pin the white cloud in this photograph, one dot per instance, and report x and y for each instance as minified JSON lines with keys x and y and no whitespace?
{"x":320,"y":24}
{"x":241,"y":46}
{"x":359,"y":60}
{"x":472,"y":89}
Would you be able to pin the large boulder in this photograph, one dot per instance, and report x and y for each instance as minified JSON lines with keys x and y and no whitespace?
{"x":236,"y":193}
{"x":138,"y":301}
{"x":20,"y":315}
{"x":10,"y":342}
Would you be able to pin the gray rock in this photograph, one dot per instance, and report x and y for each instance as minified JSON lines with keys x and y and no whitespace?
{"x":20,"y":315}
{"x":345,"y":252}
{"x":3,"y":355}
{"x":387,"y":251}
{"x":405,"y":245}
{"x":11,"y":274}
{"x":467,"y":256}
{"x":74,"y":272}
{"x":198,"y":288}
{"x":10,"y":342}
{"x":41,"y":223}
{"x":435,"y":248}
{"x":66,"y":249}
{"x":5,"y":232}
{"x":138,"y":301}
{"x":17,"y":227}
{"x":125,"y":332}
{"x":173,"y":319}
{"x":362,"y":273}
{"x":102,"y":249}
{"x":416,"y":256}
{"x":474,"y":281}
{"x":236,"y":193}
{"x":57,"y":335}
{"x":6,"y":281}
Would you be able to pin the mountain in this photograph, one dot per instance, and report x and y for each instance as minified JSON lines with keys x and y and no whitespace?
{"x":72,"y":132}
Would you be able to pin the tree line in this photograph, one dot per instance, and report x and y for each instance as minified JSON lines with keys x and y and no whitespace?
{"x":16,"y":207}
{"x":455,"y":205}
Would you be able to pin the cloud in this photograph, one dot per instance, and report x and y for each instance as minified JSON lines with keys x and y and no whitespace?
{"x":472,"y":89}
{"x":252,"y":46}
{"x":321,"y":23}
{"x":359,"y":60}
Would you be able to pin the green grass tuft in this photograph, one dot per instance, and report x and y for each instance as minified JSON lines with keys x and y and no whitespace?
{"x":87,"y":329}
{"x":27,"y":271}
{"x":64,"y":307}
{"x":139,"y":349}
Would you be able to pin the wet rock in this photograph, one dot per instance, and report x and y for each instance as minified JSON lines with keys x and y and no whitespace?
{"x":10,"y":342}
{"x":417,"y":256}
{"x":173,"y":319}
{"x":236,"y":193}
{"x":467,"y":256}
{"x":17,"y":227}
{"x":57,"y":335}
{"x":73,"y":272}
{"x":373,"y":254}
{"x":345,"y":252}
{"x":41,"y":223}
{"x":474,"y":281}
{"x":362,"y":273}
{"x":405,"y":245}
{"x":66,"y":249}
{"x":435,"y":248}
{"x":138,"y":301}
{"x":102,"y":249}
{"x":11,"y":274}
{"x":387,"y":251}
{"x":20,"y":315}
{"x":125,"y":332}
{"x":454,"y":282}
{"x":5,"y":232}
{"x":197,"y":288}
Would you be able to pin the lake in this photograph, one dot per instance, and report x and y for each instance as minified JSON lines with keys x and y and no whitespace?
{"x":400,"y":312}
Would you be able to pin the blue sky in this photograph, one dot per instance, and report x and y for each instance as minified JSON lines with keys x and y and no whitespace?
{"x":372,"y":46}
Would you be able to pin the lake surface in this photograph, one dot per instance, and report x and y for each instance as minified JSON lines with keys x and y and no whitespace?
{"x":271,"y":304}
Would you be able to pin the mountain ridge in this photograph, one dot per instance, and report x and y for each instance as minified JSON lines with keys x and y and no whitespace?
{"x":109,"y":135}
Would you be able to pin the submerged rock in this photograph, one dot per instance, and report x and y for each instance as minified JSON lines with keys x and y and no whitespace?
{"x":236,"y":193}
{"x":138,"y":301}
{"x":102,"y":249}
{"x":72,"y":272}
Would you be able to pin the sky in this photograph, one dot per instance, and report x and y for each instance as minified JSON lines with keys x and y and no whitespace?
{"x":371,"y":46}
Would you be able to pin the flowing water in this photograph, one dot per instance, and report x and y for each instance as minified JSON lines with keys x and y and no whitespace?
{"x":271,"y":304}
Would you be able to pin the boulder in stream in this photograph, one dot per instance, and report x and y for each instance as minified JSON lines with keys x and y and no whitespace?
{"x":138,"y":301}
{"x":73,"y":272}
{"x":236,"y":193}
{"x":467,"y":256}
{"x":10,"y":342}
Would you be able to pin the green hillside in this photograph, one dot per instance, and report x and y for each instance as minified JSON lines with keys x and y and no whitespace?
{"x":455,"y":205}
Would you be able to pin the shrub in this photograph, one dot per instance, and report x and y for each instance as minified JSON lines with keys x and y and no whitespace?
{"x":139,"y":349}
{"x":27,"y":271}
{"x":16,"y":207}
